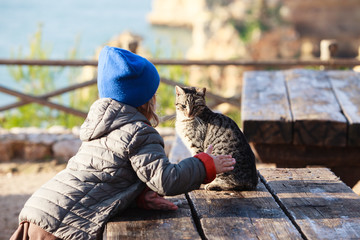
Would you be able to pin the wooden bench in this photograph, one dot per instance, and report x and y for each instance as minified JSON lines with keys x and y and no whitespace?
{"x":296,"y":118}
{"x":304,"y":203}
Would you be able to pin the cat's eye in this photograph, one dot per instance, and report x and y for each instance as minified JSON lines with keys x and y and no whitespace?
{"x":181,"y":106}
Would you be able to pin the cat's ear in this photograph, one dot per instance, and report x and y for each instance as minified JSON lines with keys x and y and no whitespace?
{"x":201,"y":91}
{"x":179,"y":90}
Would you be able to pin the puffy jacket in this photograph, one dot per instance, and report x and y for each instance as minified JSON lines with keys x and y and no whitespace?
{"x":120,"y":153}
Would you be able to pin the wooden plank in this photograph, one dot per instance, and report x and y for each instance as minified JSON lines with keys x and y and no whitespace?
{"x":266,"y":116}
{"x":346,"y":62}
{"x":51,"y":94}
{"x":321,"y":205}
{"x":241,"y":215}
{"x":300,"y":156}
{"x":350,"y":175}
{"x":317,"y":115}
{"x":43,"y":101}
{"x":150,"y":224}
{"x":346,"y":85}
{"x":339,"y":159}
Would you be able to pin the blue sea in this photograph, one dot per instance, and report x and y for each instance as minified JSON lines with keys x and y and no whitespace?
{"x":85,"y":25}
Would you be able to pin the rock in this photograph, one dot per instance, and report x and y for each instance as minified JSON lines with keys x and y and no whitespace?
{"x":65,"y":149}
{"x":3,"y":131}
{"x":176,"y":12}
{"x":278,"y":32}
{"x":6,"y":152}
{"x":36,"y":151}
{"x":76,"y":131}
{"x":43,"y":138}
{"x":58,"y":130}
{"x":282,"y":42}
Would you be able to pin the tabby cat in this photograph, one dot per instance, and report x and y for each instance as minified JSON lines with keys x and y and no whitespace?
{"x":199,"y":127}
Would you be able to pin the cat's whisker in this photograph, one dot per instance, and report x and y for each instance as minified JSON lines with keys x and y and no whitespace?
{"x":172,"y":121}
{"x":167,"y":118}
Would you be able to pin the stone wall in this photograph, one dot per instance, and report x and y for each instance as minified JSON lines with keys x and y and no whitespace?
{"x":34,"y":144}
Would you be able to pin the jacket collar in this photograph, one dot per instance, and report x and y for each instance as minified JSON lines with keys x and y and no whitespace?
{"x":105,"y":115}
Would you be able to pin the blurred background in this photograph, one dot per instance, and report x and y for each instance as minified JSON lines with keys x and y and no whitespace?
{"x":178,"y":29}
{"x":39,"y":139}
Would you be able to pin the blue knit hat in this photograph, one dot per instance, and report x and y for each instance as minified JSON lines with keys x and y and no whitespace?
{"x":126,"y":77}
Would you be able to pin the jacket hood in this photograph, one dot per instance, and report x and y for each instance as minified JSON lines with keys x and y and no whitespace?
{"x":105,"y":115}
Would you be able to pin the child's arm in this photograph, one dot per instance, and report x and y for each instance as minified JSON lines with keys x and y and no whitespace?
{"x":153,"y":167}
{"x":149,"y":199}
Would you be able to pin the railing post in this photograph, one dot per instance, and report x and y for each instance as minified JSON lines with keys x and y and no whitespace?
{"x":328,"y":50}
{"x":133,"y":45}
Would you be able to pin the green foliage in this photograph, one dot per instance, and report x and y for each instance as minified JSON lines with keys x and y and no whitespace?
{"x":35,"y":79}
{"x":38,"y":80}
{"x":165,"y":95}
{"x":80,"y":99}
{"x":259,"y":19}
{"x":247,"y":28}
{"x":235,"y":115}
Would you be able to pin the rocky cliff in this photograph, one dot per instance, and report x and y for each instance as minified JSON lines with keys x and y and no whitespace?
{"x":228,"y":29}
{"x":175,"y":12}
{"x":217,"y":23}
{"x":258,"y":29}
{"x":327,"y":19}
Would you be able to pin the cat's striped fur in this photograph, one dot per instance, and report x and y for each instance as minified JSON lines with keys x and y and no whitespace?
{"x":199,"y":127}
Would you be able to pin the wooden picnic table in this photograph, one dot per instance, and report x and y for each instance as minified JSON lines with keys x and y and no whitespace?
{"x":303,"y":203}
{"x":297,"y":118}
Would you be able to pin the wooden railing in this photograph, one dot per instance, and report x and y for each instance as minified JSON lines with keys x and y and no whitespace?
{"x":44,"y":99}
{"x":337,"y":62}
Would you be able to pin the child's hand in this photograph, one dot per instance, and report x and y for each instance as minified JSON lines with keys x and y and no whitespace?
{"x":223,"y":163}
{"x":157,"y":202}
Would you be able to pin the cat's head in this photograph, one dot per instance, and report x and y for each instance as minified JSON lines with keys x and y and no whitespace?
{"x":190,"y":101}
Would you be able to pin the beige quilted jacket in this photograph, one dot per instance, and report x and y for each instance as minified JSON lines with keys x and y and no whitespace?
{"x":120,"y":153}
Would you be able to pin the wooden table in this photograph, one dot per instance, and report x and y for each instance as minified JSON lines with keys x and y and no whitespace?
{"x":296,"y":118}
{"x":304,"y":203}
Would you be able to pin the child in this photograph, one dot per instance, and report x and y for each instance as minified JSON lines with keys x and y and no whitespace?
{"x":121,"y":159}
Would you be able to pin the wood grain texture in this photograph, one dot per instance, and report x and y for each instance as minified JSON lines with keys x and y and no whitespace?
{"x":242,"y":215}
{"x":346,"y":85}
{"x":344,"y":161}
{"x":266,"y":116}
{"x":317,"y":116}
{"x":321,"y":205}
{"x":301,"y":156}
{"x":303,"y":203}
{"x":142,"y":224}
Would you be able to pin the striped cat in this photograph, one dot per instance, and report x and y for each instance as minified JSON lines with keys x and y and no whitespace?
{"x":200,"y":127}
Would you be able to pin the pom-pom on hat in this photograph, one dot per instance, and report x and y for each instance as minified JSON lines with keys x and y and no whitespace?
{"x":126,"y":77}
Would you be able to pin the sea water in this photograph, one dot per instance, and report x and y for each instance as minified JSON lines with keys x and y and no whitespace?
{"x":85,"y":25}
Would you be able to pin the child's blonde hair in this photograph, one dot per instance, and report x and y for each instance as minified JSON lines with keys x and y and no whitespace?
{"x":148,"y":109}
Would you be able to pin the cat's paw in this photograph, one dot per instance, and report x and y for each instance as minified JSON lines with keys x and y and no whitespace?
{"x":213,"y":187}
